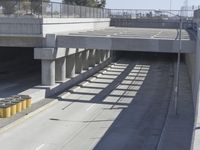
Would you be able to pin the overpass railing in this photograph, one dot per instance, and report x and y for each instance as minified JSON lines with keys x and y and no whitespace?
{"x":151,"y":14}
{"x":9,"y":8}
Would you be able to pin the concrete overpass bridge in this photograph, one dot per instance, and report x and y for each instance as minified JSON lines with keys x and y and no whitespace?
{"x":77,"y":53}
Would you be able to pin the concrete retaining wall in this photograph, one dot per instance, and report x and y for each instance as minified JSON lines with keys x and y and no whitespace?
{"x":193,"y":63}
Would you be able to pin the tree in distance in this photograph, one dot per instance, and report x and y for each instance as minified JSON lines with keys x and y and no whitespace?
{"x":89,"y":3}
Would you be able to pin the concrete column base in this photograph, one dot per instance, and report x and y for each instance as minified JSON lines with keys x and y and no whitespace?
{"x":61,"y":69}
{"x":70,"y":66}
{"x":48,"y":72}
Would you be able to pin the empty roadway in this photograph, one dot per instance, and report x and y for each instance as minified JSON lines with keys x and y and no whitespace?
{"x":123,"y":107}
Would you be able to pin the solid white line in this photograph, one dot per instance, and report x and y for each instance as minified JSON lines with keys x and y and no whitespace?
{"x":90,"y":107}
{"x":39,"y":147}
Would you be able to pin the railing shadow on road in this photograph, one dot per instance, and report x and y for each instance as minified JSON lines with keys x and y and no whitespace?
{"x":112,"y":84}
{"x":142,"y":103}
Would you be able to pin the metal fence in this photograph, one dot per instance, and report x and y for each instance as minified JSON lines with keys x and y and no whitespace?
{"x":73,"y":11}
{"x":16,"y":8}
{"x":50,"y":9}
{"x":151,"y":14}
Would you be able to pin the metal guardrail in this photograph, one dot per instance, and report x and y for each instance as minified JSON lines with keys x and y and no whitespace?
{"x":50,"y":10}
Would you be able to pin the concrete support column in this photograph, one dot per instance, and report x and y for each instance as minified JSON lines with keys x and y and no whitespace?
{"x":61,"y":69}
{"x":98,"y":56}
{"x":70,"y":66}
{"x":92,"y":58}
{"x":85,"y":59}
{"x":108,"y":54}
{"x":48,"y":72}
{"x":78,"y":63}
{"x":101,"y":55}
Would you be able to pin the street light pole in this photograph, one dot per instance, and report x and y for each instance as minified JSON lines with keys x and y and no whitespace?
{"x":170,"y":5}
{"x":178,"y":67}
{"x":176,"y":89}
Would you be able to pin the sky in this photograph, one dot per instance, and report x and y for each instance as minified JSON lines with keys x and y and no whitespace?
{"x":146,"y":4}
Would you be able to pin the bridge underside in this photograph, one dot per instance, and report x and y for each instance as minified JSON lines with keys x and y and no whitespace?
{"x":129,"y":39}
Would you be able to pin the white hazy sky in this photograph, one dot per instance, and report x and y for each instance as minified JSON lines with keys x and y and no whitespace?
{"x":149,"y":4}
{"x":146,"y":4}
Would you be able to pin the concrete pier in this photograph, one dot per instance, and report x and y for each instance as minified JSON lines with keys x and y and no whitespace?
{"x":85,"y":59}
{"x":48,"y":72}
{"x":78,"y":61}
{"x":60,"y":67}
{"x":71,"y":71}
{"x":92,"y":57}
{"x":98,"y":56}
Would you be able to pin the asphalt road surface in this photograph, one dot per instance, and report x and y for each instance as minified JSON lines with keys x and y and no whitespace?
{"x":123,"y":108}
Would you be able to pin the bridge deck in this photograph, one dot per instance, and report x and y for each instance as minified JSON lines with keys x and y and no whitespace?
{"x":144,"y":33}
{"x":131,"y":39}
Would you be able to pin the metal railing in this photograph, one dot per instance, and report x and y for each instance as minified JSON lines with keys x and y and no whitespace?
{"x":50,"y":9}
{"x":151,"y":14}
{"x":73,"y":11}
{"x":61,"y":10}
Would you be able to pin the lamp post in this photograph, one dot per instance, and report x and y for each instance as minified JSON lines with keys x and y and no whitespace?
{"x":170,"y":5}
{"x":178,"y":68}
{"x":176,"y":88}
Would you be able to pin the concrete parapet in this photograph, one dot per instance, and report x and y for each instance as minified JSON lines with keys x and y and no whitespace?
{"x":149,"y":23}
{"x":26,"y":26}
{"x":43,"y":26}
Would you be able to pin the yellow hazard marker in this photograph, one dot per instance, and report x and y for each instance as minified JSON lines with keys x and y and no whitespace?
{"x":27,"y":99}
{"x":12,"y":104}
{"x":13,"y":108}
{"x":23,"y":101}
{"x":18,"y":104}
{"x":5,"y":110}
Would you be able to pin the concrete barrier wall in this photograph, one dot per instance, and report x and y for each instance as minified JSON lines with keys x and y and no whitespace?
{"x":150,"y":23}
{"x":193,"y":63}
{"x":43,"y":26}
{"x":68,"y":25}
{"x":30,"y":26}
